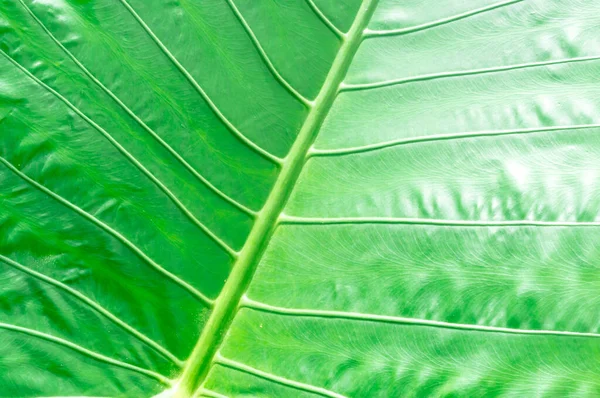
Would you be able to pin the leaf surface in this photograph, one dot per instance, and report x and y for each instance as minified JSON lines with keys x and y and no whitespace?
{"x":299,"y":198}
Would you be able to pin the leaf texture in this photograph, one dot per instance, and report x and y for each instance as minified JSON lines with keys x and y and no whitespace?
{"x":228,"y":198}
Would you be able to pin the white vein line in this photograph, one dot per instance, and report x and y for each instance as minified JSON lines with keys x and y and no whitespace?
{"x":131,"y":158}
{"x":378,"y":33}
{"x":219,"y":359}
{"x":265,"y":57}
{"x":192,"y":290}
{"x":209,"y":393}
{"x":92,"y":354}
{"x":172,"y":151}
{"x":434,"y":76}
{"x":255,"y":305}
{"x":443,"y":137}
{"x":326,"y":20}
{"x":95,"y":306}
{"x":285,"y":219}
{"x":200,"y":90}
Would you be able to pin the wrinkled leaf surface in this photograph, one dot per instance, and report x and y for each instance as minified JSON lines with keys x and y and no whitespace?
{"x":299,"y":198}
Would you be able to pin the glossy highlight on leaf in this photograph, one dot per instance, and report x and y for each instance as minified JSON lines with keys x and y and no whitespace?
{"x":299,"y":198}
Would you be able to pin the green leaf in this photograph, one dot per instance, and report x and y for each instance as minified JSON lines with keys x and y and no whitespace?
{"x":299,"y":198}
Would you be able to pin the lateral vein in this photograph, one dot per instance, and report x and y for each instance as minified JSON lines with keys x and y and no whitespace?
{"x":205,"y":392}
{"x":287,"y":219}
{"x":444,"y":137}
{"x":174,"y":278}
{"x":267,"y":155}
{"x":170,"y":149}
{"x":258,"y":306}
{"x":265,"y":57}
{"x":471,"y":72}
{"x":219,"y":359}
{"x":85,"y":351}
{"x":95,"y":306}
{"x":131,"y":158}
{"x":393,"y":32}
{"x":326,"y":20}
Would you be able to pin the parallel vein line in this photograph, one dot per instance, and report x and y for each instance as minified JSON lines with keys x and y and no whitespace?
{"x":392,"y":32}
{"x":131,"y":158}
{"x":219,"y":359}
{"x":286,"y":219}
{"x":172,"y":151}
{"x":265,"y":57}
{"x":110,"y":231}
{"x":267,"y":155}
{"x":444,"y":137}
{"x":92,"y":354}
{"x":95,"y":306}
{"x":471,"y":72}
{"x":255,"y":305}
{"x":204,"y":392}
{"x":326,"y":20}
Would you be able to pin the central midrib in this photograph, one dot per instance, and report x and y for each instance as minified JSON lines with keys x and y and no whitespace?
{"x":226,"y":305}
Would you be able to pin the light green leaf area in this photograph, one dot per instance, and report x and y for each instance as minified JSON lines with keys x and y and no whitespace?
{"x":299,"y":198}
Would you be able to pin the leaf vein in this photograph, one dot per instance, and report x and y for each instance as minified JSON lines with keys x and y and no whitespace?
{"x":482,"y":71}
{"x":326,"y":20}
{"x":131,"y":158}
{"x":267,"y":155}
{"x":85,"y":351}
{"x":192,"y":290}
{"x":265,"y":57}
{"x":258,"y":306}
{"x":95,"y":306}
{"x":393,"y":32}
{"x":287,"y":219}
{"x":219,"y":359}
{"x":226,"y":305}
{"x":204,"y":392}
{"x":443,"y":137}
{"x":172,"y":151}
